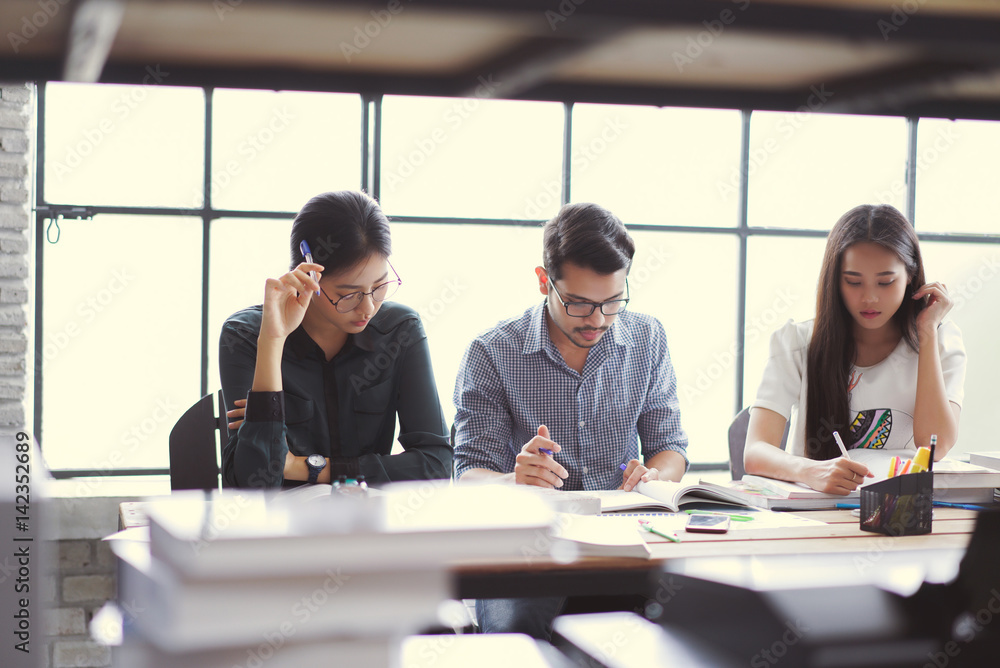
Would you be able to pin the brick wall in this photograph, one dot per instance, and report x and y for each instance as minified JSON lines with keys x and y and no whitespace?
{"x":83,"y":578}
{"x":16,"y":104}
{"x":83,"y":582}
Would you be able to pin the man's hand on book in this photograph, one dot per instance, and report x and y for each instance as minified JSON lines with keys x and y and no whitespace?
{"x":635,"y":473}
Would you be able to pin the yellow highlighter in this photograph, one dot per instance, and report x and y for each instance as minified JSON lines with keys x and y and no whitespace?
{"x":893,"y":466}
{"x":921,"y":460}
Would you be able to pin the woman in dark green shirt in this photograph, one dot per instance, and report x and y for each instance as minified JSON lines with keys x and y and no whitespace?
{"x":320,"y":371}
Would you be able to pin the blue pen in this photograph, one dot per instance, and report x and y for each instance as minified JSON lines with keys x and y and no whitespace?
{"x":967,"y":506}
{"x":546,"y":451}
{"x":623,"y":467}
{"x":304,"y":249}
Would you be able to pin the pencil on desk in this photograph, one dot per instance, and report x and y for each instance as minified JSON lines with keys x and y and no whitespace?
{"x":648,"y":527}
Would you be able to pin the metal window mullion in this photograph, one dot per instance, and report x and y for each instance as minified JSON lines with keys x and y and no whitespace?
{"x":365,"y":135}
{"x":911,"y":170}
{"x":743,"y":229}
{"x":376,"y":157}
{"x":567,"y":161}
{"x":39,"y":261}
{"x":206,"y":241}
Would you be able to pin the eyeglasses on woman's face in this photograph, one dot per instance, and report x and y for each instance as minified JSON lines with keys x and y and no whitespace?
{"x":379,"y":293}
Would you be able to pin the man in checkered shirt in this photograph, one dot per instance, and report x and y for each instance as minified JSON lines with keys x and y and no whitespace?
{"x":563,"y":395}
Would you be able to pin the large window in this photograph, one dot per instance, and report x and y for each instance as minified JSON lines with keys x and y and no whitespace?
{"x":149,"y":254}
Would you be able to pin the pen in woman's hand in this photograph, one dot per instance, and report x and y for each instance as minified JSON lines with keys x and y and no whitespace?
{"x":307,"y":254}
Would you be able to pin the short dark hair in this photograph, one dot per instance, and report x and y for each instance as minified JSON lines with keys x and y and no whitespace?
{"x":342,"y":228}
{"x":589,"y":236}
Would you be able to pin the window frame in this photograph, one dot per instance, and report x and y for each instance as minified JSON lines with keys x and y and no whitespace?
{"x":370,"y":156}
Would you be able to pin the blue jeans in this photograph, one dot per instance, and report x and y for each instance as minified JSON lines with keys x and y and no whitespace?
{"x":532,"y":616}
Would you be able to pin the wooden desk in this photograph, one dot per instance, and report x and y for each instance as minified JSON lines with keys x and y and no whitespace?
{"x":602,"y":576}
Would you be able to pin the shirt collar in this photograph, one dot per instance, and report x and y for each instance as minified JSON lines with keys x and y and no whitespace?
{"x":303,"y":345}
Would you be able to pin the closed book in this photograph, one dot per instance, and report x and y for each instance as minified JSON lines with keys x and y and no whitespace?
{"x":245,"y":534}
{"x":272,"y":652}
{"x":179,"y":614}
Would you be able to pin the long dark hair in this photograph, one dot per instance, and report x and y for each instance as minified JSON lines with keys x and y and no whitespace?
{"x":342,"y":228}
{"x":832,"y":349}
{"x":588,"y":236}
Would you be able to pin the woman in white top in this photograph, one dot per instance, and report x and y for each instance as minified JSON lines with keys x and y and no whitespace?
{"x":876,"y":365}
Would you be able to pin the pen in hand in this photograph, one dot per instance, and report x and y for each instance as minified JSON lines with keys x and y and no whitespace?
{"x":307,"y":254}
{"x":840,"y":444}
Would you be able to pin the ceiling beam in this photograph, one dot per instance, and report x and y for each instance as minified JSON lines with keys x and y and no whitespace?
{"x":92,"y":32}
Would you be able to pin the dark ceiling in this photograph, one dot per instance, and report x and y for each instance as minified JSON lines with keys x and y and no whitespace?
{"x":904,"y":57}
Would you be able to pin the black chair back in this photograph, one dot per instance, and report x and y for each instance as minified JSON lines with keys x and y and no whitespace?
{"x":194,"y":451}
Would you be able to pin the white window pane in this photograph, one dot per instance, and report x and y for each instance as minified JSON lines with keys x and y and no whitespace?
{"x":459,"y":295}
{"x":272,"y":151}
{"x":245,"y":252}
{"x":122,"y":343}
{"x":469,"y":157}
{"x":972,"y":274}
{"x":957,"y":176}
{"x":696,"y":303}
{"x":124,"y":145}
{"x":782,"y":274}
{"x":658,"y":166}
{"x":807,"y":170}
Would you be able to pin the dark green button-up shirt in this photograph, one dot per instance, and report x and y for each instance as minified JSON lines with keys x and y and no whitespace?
{"x":344,"y":408}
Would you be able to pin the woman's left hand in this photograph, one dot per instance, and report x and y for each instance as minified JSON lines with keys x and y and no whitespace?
{"x":938,"y":304}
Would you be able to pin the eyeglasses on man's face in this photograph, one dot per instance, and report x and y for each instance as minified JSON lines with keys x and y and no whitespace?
{"x":379,"y":293}
{"x":585,"y":309}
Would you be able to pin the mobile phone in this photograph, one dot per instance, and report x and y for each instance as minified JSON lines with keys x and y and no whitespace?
{"x":707,"y":524}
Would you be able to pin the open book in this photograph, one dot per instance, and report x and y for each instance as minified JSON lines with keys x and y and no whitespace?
{"x":953,"y":481}
{"x":666,"y":495}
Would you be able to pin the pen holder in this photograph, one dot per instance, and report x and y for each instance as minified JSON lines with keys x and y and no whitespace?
{"x":899,"y":506}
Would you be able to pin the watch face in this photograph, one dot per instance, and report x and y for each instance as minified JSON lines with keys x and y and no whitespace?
{"x":316,"y":460}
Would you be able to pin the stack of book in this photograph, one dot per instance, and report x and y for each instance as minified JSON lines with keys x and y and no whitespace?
{"x":250,"y":579}
{"x":990,"y":460}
